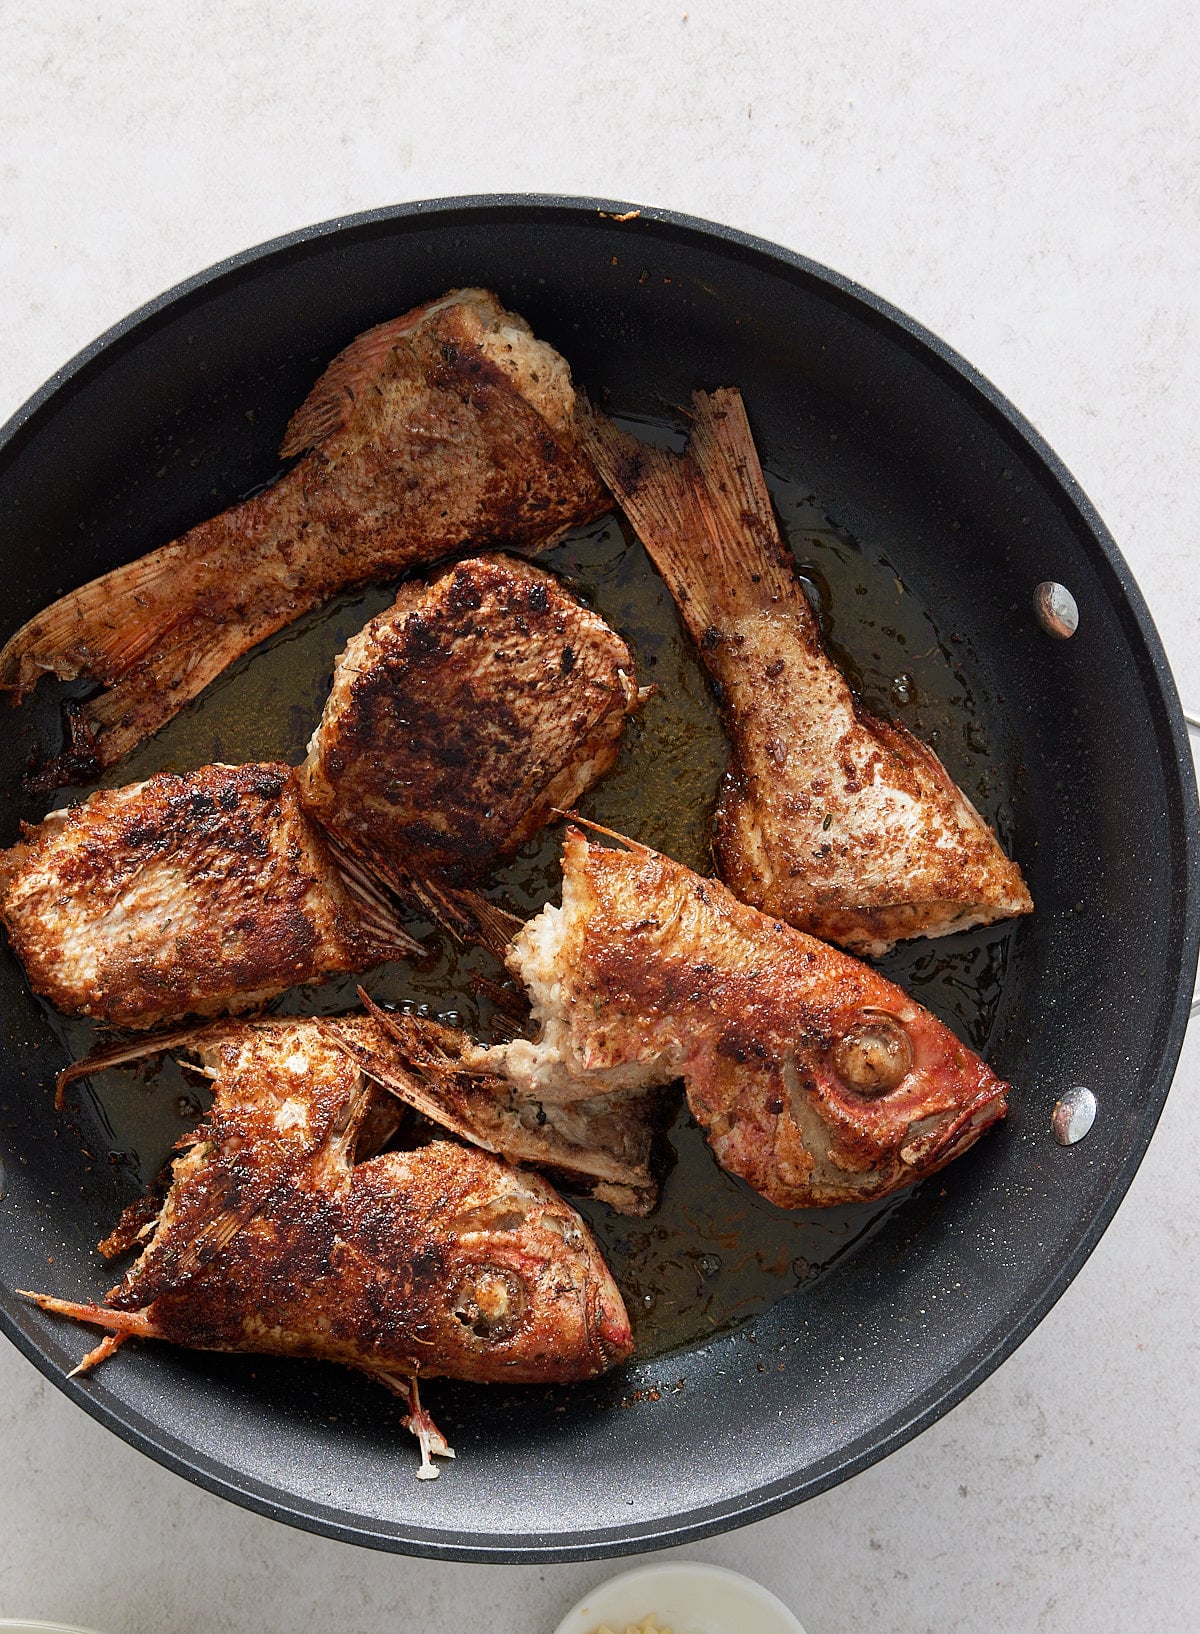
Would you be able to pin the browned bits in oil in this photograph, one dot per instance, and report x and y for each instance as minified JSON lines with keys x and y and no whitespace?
{"x":662,"y":790}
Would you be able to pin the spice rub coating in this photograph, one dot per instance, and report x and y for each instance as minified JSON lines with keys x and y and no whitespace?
{"x":463,"y":716}
{"x":845,"y":825}
{"x":447,"y":426}
{"x":190,"y":894}
{"x":286,"y":1230}
{"x":813,"y":1078}
{"x":443,"y":1260}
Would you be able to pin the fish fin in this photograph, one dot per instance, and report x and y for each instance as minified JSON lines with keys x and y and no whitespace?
{"x":377,"y":915}
{"x":330,"y":405}
{"x":636,"y":846}
{"x":433,"y":1068}
{"x":407,"y":1076}
{"x":119,"y":1054}
{"x":491,"y":927}
{"x":122,"y":1325}
{"x":468,"y":916}
{"x":218,"y":1225}
{"x":705,"y":516}
{"x":432,"y":1442}
{"x":107,"y":1347}
{"x":138,"y":1220}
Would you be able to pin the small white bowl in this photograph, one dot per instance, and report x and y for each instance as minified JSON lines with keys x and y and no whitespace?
{"x":687,"y":1598}
{"x":15,"y":1625}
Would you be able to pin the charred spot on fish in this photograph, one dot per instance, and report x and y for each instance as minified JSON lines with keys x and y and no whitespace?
{"x":464,"y":595}
{"x":422,"y":639}
{"x":874,"y":1056}
{"x":629,"y":467}
{"x":264,"y":783}
{"x":490,"y":1302}
{"x":567,"y":662}
{"x":539,"y":600}
{"x":711,"y":639}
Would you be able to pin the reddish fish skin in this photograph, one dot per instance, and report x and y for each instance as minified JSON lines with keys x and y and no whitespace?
{"x":273,"y":1238}
{"x":661,"y":973}
{"x":451,"y":425}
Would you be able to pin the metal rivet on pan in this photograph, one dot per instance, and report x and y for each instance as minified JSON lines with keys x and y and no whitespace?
{"x":1056,"y":609}
{"x":1073,"y":1116}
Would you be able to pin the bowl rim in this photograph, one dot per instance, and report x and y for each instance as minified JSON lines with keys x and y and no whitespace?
{"x":748,"y":1587}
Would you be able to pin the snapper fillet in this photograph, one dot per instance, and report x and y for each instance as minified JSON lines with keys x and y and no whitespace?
{"x":814,"y":1078}
{"x":190,"y":894}
{"x":844,"y":825}
{"x":448,"y":426}
{"x":463,"y":717}
{"x":286,"y":1230}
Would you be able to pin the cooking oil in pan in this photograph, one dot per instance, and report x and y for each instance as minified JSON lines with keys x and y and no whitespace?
{"x":714,"y":1253}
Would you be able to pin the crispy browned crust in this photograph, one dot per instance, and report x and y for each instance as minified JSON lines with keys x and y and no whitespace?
{"x":649,"y":972}
{"x":844,"y":825}
{"x":184,"y":894}
{"x":442,"y":1260}
{"x":463,"y":716}
{"x":446,"y":426}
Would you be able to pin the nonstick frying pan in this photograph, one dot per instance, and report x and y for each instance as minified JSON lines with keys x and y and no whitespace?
{"x":179,"y":410}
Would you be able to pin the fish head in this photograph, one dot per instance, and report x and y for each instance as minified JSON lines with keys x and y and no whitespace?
{"x":521,"y":1291}
{"x":859,"y":1099}
{"x":882,"y":1094}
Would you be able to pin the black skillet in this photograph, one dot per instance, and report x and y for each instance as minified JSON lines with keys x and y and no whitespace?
{"x":919,"y":459}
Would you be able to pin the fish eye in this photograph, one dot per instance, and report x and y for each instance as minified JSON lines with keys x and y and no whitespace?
{"x":490,"y":1303}
{"x":874,"y":1056}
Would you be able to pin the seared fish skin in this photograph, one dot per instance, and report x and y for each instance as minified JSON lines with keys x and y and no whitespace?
{"x":814,"y":1078}
{"x":186,"y":895}
{"x":447,"y":426}
{"x":844,"y":825}
{"x":275,"y":1238}
{"x":462,"y":716}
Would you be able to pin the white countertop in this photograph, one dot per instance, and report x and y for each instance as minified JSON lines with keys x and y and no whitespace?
{"x":1025,"y":184}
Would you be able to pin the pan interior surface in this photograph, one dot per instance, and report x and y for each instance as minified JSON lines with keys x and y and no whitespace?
{"x":890,"y":463}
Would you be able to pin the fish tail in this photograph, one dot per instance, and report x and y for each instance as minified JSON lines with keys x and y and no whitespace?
{"x":705,"y":517}
{"x":154,"y":633}
{"x":100,"y":630}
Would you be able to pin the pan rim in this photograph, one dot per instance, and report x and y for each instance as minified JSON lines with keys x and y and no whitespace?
{"x":696,"y":1523}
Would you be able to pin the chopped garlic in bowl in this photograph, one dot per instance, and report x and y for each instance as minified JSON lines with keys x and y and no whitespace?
{"x":682,"y":1597}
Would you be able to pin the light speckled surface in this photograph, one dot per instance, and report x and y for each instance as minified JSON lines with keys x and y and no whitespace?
{"x":1026,"y":185}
